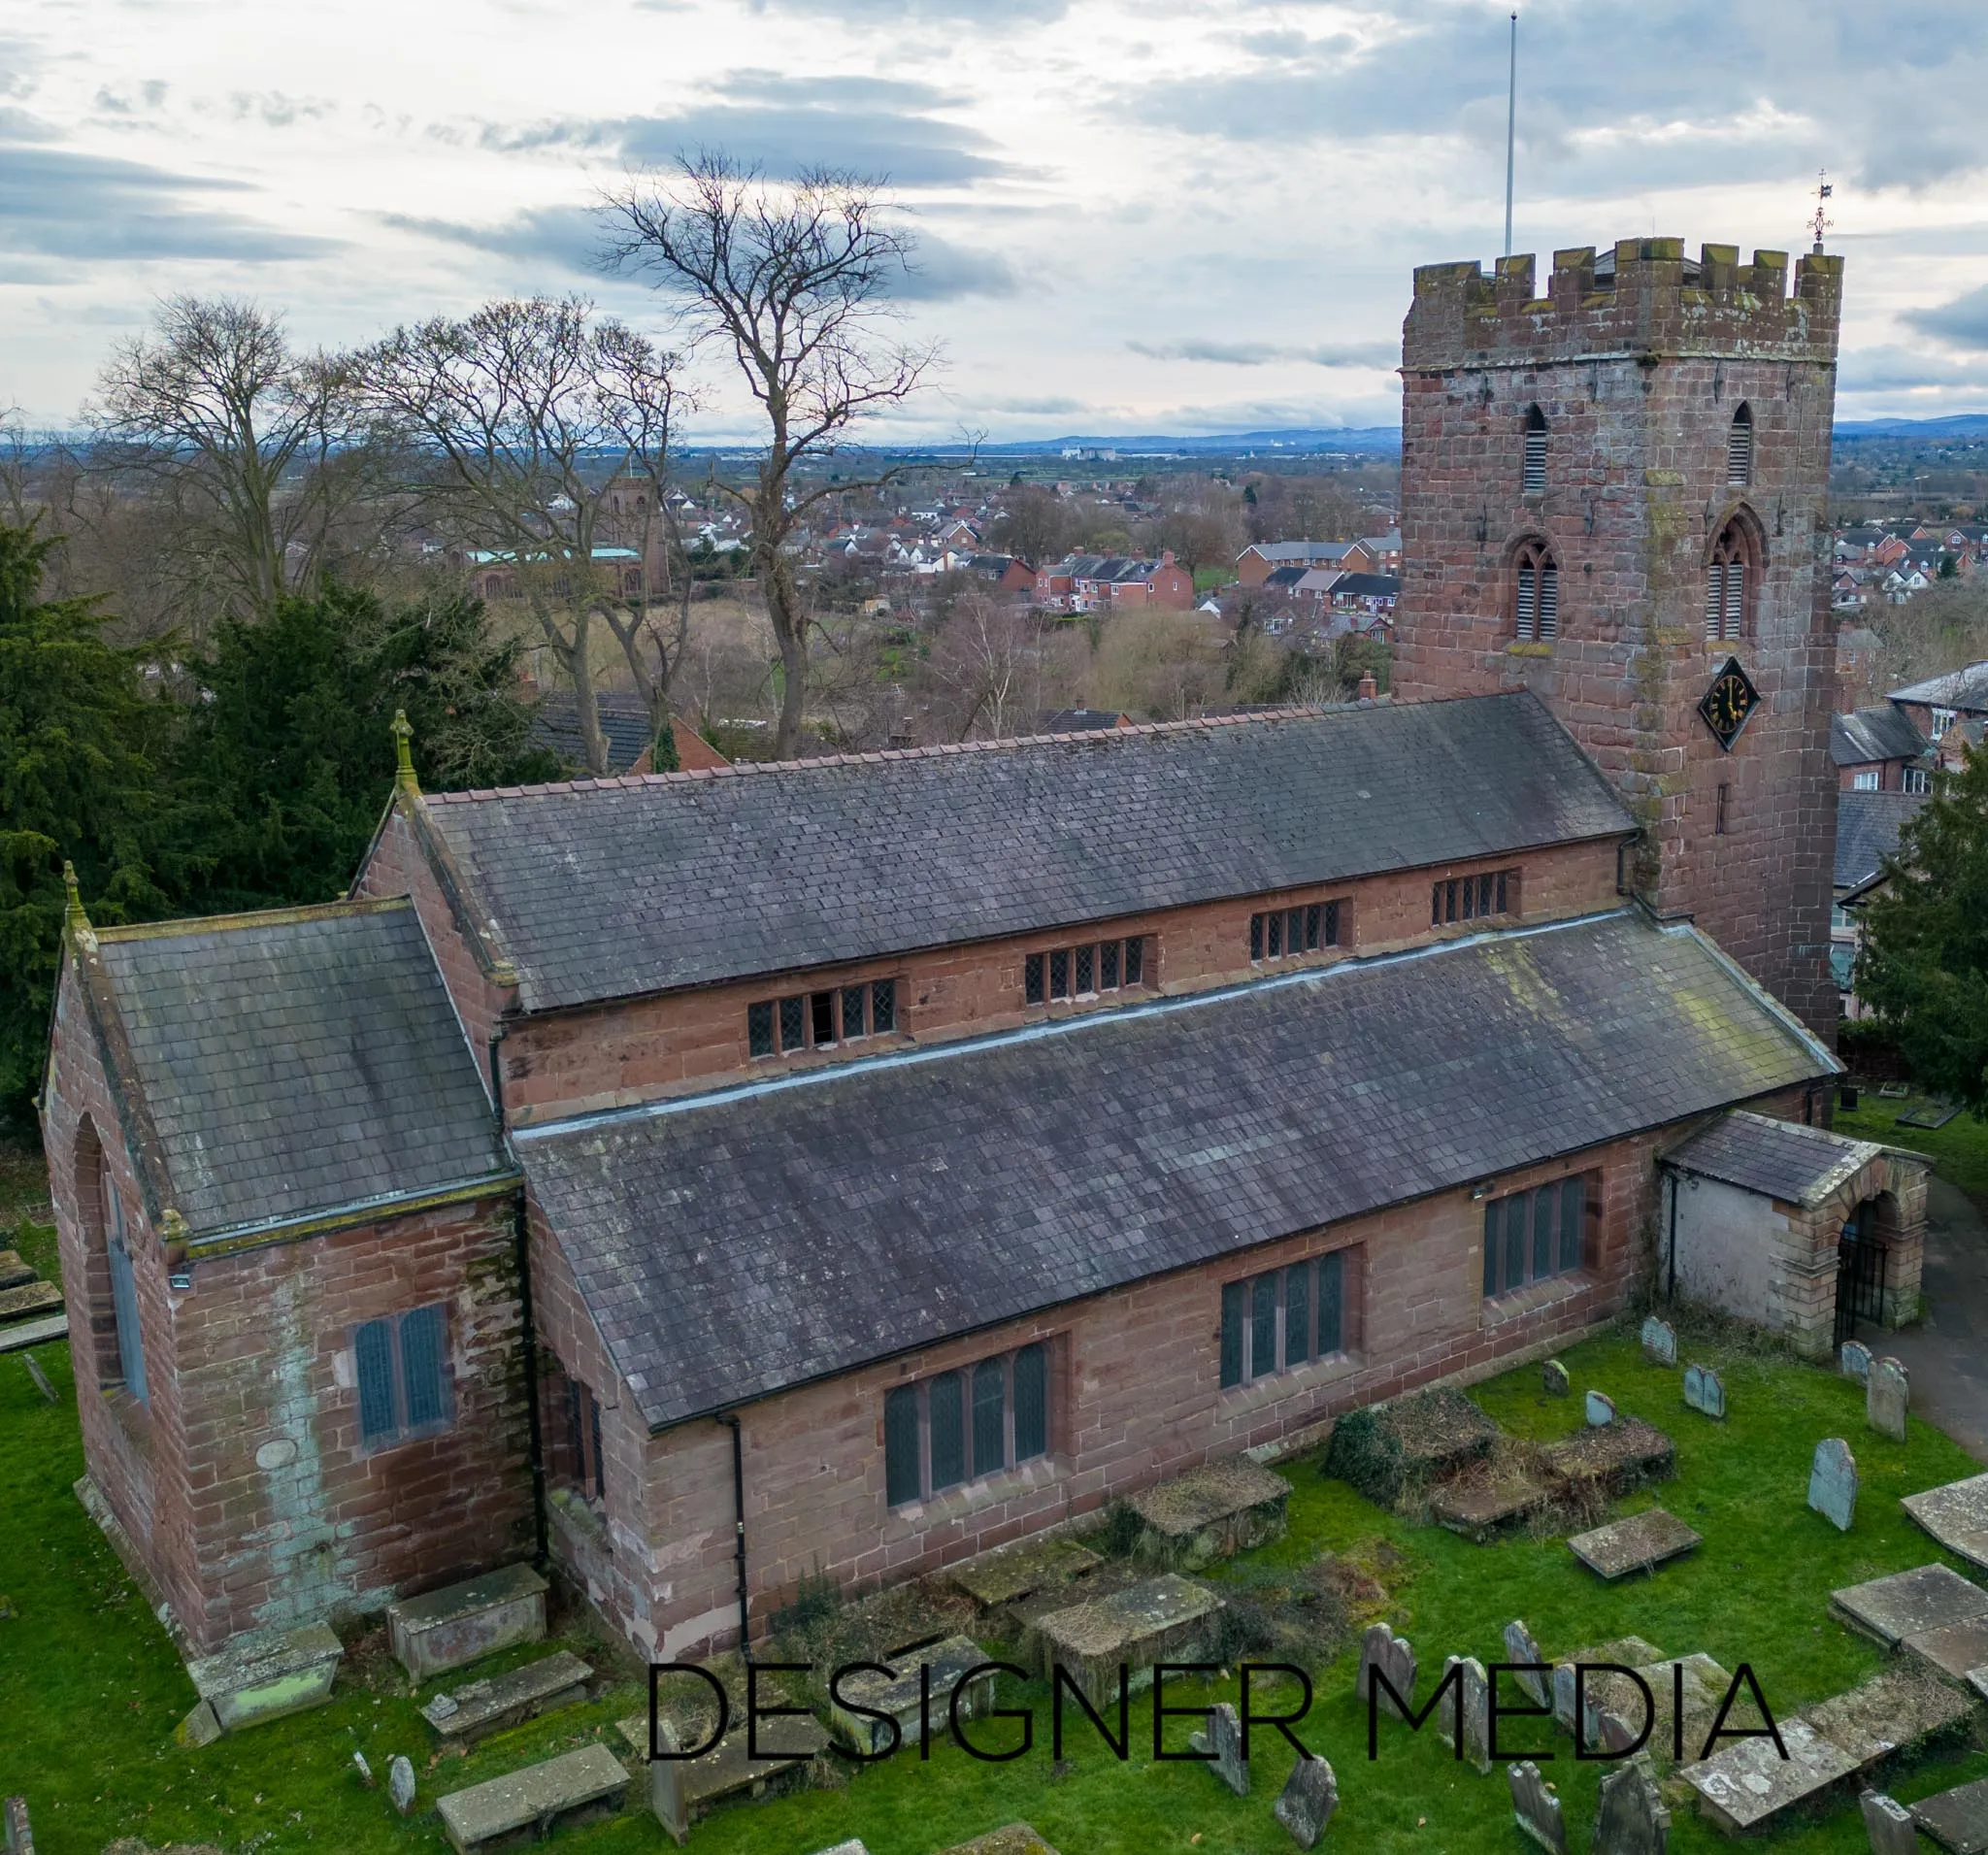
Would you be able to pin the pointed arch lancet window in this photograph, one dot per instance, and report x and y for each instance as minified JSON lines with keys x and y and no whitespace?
{"x":123,"y":1293}
{"x":1535,"y":452}
{"x":1729,"y":578}
{"x":1739,"y":448}
{"x":1536,"y":594}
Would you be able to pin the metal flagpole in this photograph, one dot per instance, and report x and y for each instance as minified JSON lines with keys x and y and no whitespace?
{"x":1511,"y":132}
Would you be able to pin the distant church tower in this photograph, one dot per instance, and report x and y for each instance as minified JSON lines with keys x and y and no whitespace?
{"x":1616,"y":496}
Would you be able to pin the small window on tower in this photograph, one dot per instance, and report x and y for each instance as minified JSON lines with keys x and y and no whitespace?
{"x":1739,"y":448}
{"x":1535,"y":593}
{"x":1535,"y":452}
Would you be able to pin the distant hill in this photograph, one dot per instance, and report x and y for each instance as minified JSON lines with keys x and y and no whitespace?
{"x":1298,"y":439}
{"x":1929,"y":430}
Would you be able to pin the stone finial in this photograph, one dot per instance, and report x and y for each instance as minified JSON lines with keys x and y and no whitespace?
{"x":173,"y":1233}
{"x":74,"y":921}
{"x":404,"y":754}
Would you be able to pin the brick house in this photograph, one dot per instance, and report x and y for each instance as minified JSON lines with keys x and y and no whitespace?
{"x":1109,"y":583}
{"x":1878,"y":749}
{"x":851,"y":1164}
{"x":1260,"y":559}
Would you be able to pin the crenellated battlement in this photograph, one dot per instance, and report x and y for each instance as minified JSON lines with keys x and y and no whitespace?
{"x":1644,"y":297}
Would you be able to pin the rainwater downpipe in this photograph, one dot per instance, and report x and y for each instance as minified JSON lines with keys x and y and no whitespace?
{"x":731,"y":1421}
{"x":522,"y":1237}
{"x":1676,"y":1186}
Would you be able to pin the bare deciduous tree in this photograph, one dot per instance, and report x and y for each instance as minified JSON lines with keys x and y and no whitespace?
{"x":795,"y":280}
{"x":247,"y":445}
{"x":987,"y":668}
{"x":537,"y":431}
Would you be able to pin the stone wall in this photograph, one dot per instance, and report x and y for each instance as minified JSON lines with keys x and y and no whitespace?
{"x":1135,"y":1396}
{"x":1638,"y":384}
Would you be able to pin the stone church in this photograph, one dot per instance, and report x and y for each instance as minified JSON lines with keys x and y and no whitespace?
{"x":696,"y":1181}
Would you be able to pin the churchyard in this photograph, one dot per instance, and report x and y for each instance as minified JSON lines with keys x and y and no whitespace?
{"x":91,"y":1689}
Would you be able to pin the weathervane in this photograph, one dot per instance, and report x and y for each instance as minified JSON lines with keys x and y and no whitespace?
{"x":1822,"y":221}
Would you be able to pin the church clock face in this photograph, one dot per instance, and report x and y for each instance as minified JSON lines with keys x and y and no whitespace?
{"x":1728,"y":703}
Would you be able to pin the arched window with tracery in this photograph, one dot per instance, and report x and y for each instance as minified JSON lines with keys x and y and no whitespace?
{"x":1535,"y":452}
{"x":108,"y":1280}
{"x":1739,"y":449}
{"x":1731,"y":578}
{"x":1535,"y":593}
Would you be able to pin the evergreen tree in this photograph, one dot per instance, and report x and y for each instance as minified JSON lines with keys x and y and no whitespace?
{"x":1923,"y":969}
{"x":76,"y":783}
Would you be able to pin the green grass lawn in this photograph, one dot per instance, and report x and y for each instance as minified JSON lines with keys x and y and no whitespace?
{"x":1959,"y":1149}
{"x":90,"y":1689}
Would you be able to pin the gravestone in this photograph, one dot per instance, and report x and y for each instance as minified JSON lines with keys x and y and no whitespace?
{"x":1833,"y":1482}
{"x":201,"y":1727}
{"x":1928,"y":1597}
{"x":1629,"y":1817}
{"x":1476,"y":1715}
{"x":400,"y":1783}
{"x":21,"y":1839}
{"x":1394,"y":1656}
{"x":1601,"y":1409}
{"x":362,"y":1769}
{"x":1639,"y":1543}
{"x":1744,"y":1784}
{"x":1855,"y":1359}
{"x":1887,"y":1397}
{"x":1224,"y":1739}
{"x":41,"y":1377}
{"x":1956,"y":1515}
{"x":1535,"y":1808}
{"x":1659,"y":1342}
{"x":1957,"y":1819}
{"x":1889,"y":1825}
{"x":1308,"y":1800}
{"x":1553,"y":1380}
{"x":1705,"y":1391}
{"x":1519,"y":1646}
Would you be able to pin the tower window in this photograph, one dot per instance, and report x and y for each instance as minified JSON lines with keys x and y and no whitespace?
{"x":1739,"y":448}
{"x":1536,"y":594}
{"x":1535,"y":452}
{"x":1730,"y":577}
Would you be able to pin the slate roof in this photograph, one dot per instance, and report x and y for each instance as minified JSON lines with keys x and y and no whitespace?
{"x":624,"y":725}
{"x":597,"y":891}
{"x":298,"y":1063}
{"x":745,"y":1242}
{"x":1883,"y":733}
{"x":1962,"y":688}
{"x":1776,"y":1159}
{"x":1868,"y":827}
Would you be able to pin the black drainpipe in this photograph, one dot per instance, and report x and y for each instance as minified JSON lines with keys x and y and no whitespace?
{"x":520,"y":1228}
{"x":1676,"y":1186}
{"x":739,"y":1545}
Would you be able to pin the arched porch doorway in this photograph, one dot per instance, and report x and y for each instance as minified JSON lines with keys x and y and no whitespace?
{"x":1863,"y":1267}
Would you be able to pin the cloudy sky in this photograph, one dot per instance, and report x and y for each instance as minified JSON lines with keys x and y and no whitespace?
{"x":1134,"y":214}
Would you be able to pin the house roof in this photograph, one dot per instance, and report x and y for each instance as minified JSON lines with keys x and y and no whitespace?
{"x":299,"y":1062}
{"x":1868,"y":827}
{"x":1368,"y":586}
{"x":1962,"y":688}
{"x":1080,"y":720}
{"x":1296,"y":575}
{"x":737,"y":1244}
{"x":1776,"y":1159}
{"x":1881,"y":733}
{"x":596,"y":890}
{"x":1311,"y":551}
{"x":624,"y":724}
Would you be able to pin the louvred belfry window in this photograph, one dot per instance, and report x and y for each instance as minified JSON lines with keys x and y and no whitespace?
{"x":1739,"y":448}
{"x":1535,"y":452}
{"x":1729,"y":581}
{"x":1536,"y":594}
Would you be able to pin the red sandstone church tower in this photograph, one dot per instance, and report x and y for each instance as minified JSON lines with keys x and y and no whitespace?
{"x":1616,"y":495}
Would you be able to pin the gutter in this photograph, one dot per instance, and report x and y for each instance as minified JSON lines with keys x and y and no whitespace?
{"x":290,"y":1230}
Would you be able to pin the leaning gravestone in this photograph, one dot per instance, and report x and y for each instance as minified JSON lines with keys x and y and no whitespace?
{"x":20,"y":1836}
{"x":400,"y":1783}
{"x":1476,"y":1715}
{"x":1889,"y":1825}
{"x":1705,"y":1391}
{"x":1629,"y":1817}
{"x":1833,"y":1482}
{"x":1601,"y":1409}
{"x":1394,"y":1657}
{"x":1855,"y":1359}
{"x":1309,"y":1800}
{"x":1887,"y":1397}
{"x":1659,"y":1342}
{"x":1553,"y":1379}
{"x":1535,"y":1808}
{"x":1224,"y":1739}
{"x":1520,"y":1647}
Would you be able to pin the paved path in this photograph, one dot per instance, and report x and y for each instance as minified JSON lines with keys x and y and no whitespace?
{"x":1947,"y":1352}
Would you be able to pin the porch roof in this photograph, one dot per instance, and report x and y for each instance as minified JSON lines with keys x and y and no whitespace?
{"x":1775,"y":1159}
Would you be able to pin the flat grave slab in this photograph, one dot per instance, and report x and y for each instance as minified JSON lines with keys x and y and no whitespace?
{"x":1013,"y":1838}
{"x":461,"y":1623}
{"x":909,"y":1696}
{"x":466,"y":1715}
{"x":1926,"y":1597}
{"x":1957,"y":1819}
{"x":267,"y":1675}
{"x":1024,"y":1618}
{"x":13,"y":1272}
{"x":1704,"y":1690}
{"x":1484,"y":1500}
{"x":1957,"y":1649}
{"x":1957,"y":1516}
{"x":29,"y":1298}
{"x":1624,"y":1651}
{"x":681,"y":1790}
{"x":23,"y":1334}
{"x":1164,"y":1619}
{"x":1896,"y":1710}
{"x":1018,"y":1571}
{"x":1617,"y":1456}
{"x":1639,"y":1543}
{"x":536,"y":1798}
{"x":1744,"y":1784}
{"x":1209,"y":1513}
